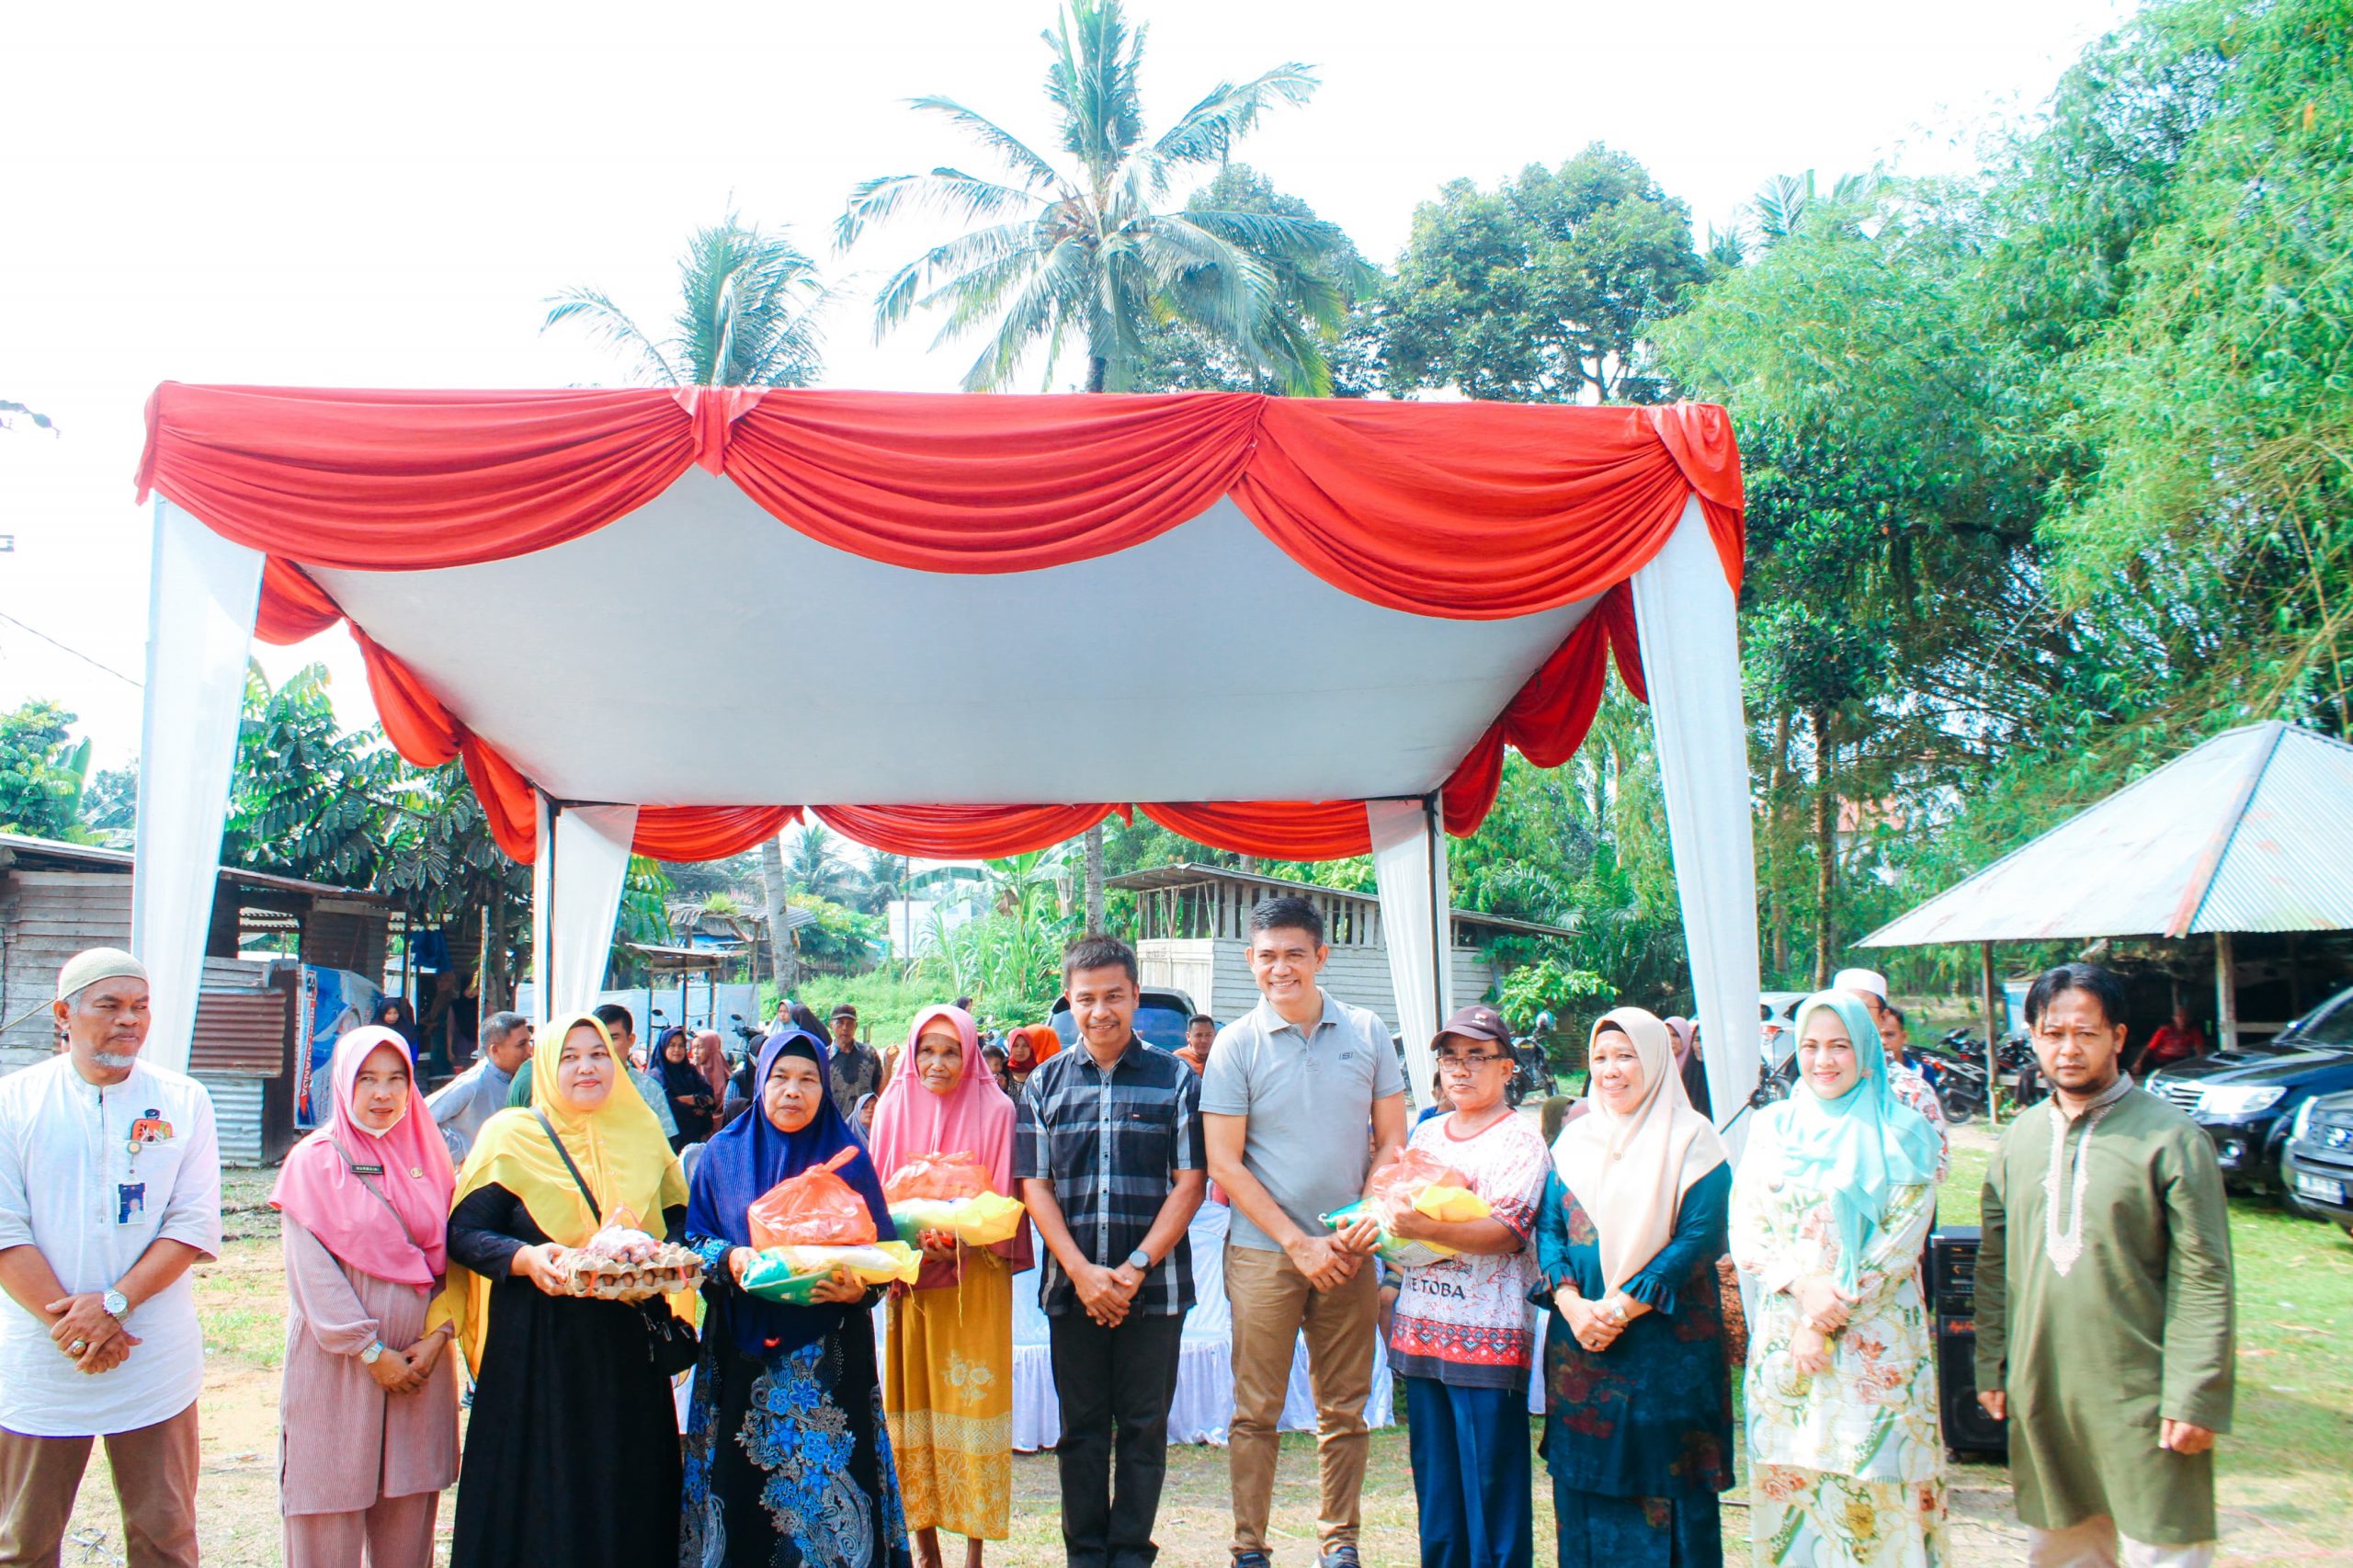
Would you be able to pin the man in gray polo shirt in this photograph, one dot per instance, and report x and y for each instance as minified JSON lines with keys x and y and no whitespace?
{"x":1302,"y":1099}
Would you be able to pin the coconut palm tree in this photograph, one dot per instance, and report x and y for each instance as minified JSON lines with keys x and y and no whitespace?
{"x":1088,"y":254}
{"x":748,"y":310}
{"x":749,"y":303}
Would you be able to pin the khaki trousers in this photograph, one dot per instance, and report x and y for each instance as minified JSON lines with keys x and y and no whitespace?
{"x":2093,"y":1543}
{"x":397,"y":1532}
{"x":1272,"y":1303}
{"x":154,"y":1485}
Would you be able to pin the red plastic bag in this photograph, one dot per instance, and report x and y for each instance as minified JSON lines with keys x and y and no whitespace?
{"x":950,"y":1177}
{"x":816,"y":1209}
{"x":1395,"y":1185}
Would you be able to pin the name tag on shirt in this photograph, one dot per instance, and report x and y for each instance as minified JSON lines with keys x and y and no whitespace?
{"x":129,"y":1201}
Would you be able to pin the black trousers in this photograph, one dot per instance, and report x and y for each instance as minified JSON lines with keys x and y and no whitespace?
{"x":1113,"y":1380}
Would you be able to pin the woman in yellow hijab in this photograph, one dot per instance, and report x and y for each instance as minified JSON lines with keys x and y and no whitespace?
{"x":572,"y":1455}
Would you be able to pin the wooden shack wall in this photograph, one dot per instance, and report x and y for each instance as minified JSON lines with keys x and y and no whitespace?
{"x":45,"y":918}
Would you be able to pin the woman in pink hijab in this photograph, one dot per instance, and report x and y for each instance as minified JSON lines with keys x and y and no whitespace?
{"x":367,"y":1406}
{"x":948,"y":1365}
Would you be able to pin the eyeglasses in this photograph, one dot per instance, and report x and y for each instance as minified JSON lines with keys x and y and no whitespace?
{"x":1467,"y":1062}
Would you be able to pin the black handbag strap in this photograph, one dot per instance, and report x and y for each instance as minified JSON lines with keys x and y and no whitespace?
{"x":564,"y":1155}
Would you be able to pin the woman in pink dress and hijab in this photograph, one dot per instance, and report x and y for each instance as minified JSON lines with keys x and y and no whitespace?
{"x":367,"y":1409}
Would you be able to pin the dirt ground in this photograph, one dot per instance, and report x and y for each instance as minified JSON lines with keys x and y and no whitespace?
{"x":2287,"y":1494}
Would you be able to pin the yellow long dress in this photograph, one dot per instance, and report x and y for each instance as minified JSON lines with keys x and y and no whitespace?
{"x":948,"y":1396}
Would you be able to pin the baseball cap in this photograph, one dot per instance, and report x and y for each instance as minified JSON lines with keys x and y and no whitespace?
{"x":1478,"y":1022}
{"x":844,"y":1011}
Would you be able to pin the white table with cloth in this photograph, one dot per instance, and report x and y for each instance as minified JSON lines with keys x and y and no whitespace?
{"x":1204,"y":1403}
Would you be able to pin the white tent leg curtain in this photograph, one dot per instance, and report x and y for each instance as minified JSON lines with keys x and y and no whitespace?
{"x":586,"y":861}
{"x":1684,"y":614}
{"x":542,"y":900}
{"x":1409,"y":870}
{"x":201,"y":593}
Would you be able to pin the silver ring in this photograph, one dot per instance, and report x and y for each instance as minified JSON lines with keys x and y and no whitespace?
{"x":80,"y":1346}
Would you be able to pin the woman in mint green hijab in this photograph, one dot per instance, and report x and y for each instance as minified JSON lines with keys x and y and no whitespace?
{"x":1830,"y":1206}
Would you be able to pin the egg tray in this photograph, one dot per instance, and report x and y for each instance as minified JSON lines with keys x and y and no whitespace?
{"x":670,"y":1270}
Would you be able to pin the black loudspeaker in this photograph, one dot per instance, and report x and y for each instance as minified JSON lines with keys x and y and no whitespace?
{"x":1952,"y":1312}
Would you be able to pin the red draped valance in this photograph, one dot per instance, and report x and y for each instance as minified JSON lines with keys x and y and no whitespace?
{"x":1465,"y":511}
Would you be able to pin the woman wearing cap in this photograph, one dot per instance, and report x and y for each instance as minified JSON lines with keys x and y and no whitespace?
{"x":368,"y":1402}
{"x":1458,"y":1334}
{"x":571,"y":1451}
{"x":1638,"y":1403}
{"x":1832,"y":1202}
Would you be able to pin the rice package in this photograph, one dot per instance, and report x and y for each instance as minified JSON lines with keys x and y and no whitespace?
{"x":1418,"y":1180}
{"x":950,"y":1192}
{"x":791,"y":1274}
{"x":816,"y":1207}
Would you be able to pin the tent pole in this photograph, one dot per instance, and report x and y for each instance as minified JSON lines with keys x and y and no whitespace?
{"x":2226,"y":993}
{"x":1996,"y":1017}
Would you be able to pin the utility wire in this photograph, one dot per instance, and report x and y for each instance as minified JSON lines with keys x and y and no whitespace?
{"x":77,"y":653}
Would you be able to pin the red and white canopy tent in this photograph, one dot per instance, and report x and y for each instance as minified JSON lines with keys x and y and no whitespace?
{"x":973,"y":625}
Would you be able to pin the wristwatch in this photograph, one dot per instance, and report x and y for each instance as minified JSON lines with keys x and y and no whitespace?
{"x":374,"y":1354}
{"x":1140,"y":1261}
{"x":116,"y":1304}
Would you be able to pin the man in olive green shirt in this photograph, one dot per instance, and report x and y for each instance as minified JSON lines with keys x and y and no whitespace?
{"x":2104,"y":1299}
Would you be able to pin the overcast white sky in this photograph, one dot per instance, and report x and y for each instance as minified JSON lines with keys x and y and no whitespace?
{"x":371,"y":196}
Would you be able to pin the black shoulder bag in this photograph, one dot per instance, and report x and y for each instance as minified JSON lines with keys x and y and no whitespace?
{"x":670,"y":1342}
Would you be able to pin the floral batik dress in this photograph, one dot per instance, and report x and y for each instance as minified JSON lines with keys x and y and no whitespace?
{"x":1846,"y":1467}
{"x":788,"y":1458}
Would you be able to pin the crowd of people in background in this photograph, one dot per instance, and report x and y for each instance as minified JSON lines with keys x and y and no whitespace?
{"x":423,"y":1243}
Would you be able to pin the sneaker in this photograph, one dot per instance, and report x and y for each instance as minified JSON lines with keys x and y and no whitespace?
{"x":1253,"y":1560}
{"x":1338,"y":1556}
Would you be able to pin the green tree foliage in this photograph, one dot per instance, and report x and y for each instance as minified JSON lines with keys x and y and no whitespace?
{"x":2219,"y":392}
{"x":1175,"y":355}
{"x":307,"y":798}
{"x":110,"y":804}
{"x":1541,"y":290}
{"x":2047,"y":469}
{"x":813,"y":863}
{"x":42,"y":772}
{"x":748,"y":310}
{"x":1089,"y":256}
{"x":840,"y":939}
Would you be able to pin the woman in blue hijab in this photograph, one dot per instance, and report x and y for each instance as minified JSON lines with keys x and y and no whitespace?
{"x":787,"y":1461}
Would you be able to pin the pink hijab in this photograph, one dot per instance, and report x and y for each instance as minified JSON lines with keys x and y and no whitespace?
{"x":318,"y":1190}
{"x":975,"y":1118}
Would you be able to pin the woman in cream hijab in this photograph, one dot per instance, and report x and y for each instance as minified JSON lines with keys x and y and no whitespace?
{"x":572,"y":1455}
{"x":1638,"y":1403}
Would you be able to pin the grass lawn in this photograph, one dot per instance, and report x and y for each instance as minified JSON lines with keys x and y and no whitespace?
{"x":2287,"y":1471}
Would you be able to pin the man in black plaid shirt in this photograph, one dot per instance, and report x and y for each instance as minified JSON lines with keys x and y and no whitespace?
{"x":1107,"y":1149}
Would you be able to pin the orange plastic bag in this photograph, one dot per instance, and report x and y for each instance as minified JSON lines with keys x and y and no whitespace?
{"x":1395,"y":1185}
{"x":960,"y":1174}
{"x":816,"y":1209}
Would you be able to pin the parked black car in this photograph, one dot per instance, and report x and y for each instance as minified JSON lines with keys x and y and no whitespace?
{"x":2318,"y":1169}
{"x":2248,"y":1099}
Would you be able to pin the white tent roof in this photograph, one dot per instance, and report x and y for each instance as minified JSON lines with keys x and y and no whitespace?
{"x":1203,"y":666}
{"x":2252,"y":831}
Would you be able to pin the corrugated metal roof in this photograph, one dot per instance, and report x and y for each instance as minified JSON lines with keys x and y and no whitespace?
{"x":2252,"y":831}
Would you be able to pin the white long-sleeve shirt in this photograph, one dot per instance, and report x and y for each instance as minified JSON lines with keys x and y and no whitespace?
{"x":93,"y":1177}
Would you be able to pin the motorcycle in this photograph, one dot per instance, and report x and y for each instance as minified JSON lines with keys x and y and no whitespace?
{"x":1958,"y":1078}
{"x":2017,"y":1070}
{"x":1531,"y":1072}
